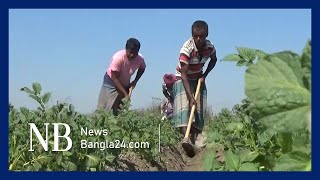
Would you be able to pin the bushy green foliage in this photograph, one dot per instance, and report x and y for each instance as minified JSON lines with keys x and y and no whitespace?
{"x":271,"y":129}
{"x":128,"y":126}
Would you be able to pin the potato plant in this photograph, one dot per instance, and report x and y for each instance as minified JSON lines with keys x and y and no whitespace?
{"x":128,"y":126}
{"x":271,"y":129}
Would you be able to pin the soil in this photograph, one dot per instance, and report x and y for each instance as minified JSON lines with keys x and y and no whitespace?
{"x":172,"y":159}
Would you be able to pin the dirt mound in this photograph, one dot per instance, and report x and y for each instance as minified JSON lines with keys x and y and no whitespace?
{"x":172,"y":159}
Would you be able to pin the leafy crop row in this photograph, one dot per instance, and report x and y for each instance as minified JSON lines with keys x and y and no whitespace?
{"x":271,"y":129}
{"x":128,"y":126}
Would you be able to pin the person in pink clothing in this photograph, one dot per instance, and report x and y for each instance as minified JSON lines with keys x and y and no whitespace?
{"x":116,"y":82}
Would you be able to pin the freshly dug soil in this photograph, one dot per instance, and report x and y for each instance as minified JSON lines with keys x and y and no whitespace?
{"x":172,"y":159}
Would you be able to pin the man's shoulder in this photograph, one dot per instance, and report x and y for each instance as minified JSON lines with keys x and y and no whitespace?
{"x":209,"y":44}
{"x":188,"y":44}
{"x":120,"y":53}
{"x":118,"y":56}
{"x":140,"y":55}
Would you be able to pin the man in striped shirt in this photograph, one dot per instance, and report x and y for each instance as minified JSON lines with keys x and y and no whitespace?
{"x":194,"y":53}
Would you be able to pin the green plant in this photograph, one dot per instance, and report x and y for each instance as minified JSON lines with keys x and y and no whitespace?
{"x":273,"y":125}
{"x":128,"y":127}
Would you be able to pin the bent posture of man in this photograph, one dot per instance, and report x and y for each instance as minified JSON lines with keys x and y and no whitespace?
{"x":193,"y":55}
{"x":116,"y":82}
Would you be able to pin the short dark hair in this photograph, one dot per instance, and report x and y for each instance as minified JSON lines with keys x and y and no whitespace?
{"x":201,"y":25}
{"x":133,"y":44}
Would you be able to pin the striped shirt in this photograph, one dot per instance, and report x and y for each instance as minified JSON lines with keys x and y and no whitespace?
{"x":190,"y":55}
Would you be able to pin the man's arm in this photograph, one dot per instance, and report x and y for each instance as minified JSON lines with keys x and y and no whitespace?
{"x":165,"y":91}
{"x":185,"y":81}
{"x":115,"y":79}
{"x":212,"y":63}
{"x":138,"y":76}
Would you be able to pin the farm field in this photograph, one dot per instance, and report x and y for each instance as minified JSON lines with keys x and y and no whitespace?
{"x":270,"y":130}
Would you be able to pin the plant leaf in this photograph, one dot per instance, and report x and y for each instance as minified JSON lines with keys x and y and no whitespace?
{"x":249,"y":167}
{"x":92,"y":160}
{"x":27,"y":90}
{"x":285,"y":140}
{"x":265,"y":136}
{"x":69,"y":166}
{"x":67,"y":153}
{"x":247,"y":54}
{"x":248,"y":156}
{"x":306,"y":65}
{"x":293,"y":161}
{"x":281,"y":102}
{"x":232,"y":160}
{"x":242,"y":62}
{"x":35,"y":98}
{"x":208,"y":163}
{"x":260,"y":54}
{"x":24,"y":111}
{"x":45,"y":159}
{"x":110,"y":158}
{"x":46,"y":97}
{"x":292,"y":60}
{"x":232,"y":57}
{"x":302,"y":142}
{"x":231,"y":126}
{"x":36,"y":87}
{"x":59,"y":159}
